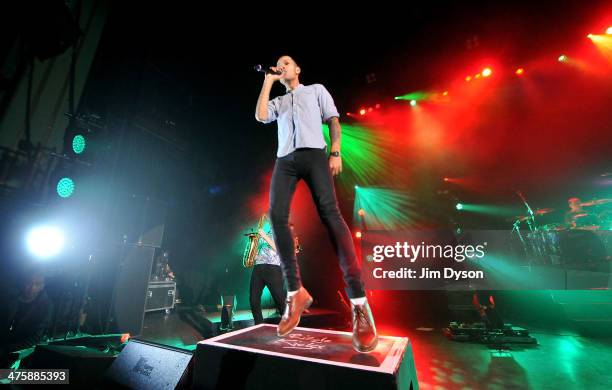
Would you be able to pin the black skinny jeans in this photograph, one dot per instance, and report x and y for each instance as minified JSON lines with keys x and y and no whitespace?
{"x":311,"y":165}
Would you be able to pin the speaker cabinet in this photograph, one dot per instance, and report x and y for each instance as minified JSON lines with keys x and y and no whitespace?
{"x":145,"y":365}
{"x":130,"y":294}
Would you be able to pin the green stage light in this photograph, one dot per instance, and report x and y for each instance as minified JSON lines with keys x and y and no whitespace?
{"x":388,"y":209}
{"x":489,"y":209}
{"x":419,"y":95}
{"x":79,"y":144}
{"x":65,"y":187}
{"x":364,"y":151}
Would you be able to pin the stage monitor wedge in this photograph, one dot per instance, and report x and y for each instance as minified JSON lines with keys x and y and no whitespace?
{"x":145,"y":365}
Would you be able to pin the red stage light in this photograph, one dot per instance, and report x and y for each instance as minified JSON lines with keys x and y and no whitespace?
{"x":361,"y":212}
{"x":446,"y":179}
{"x":358,"y":234}
{"x":609,"y":30}
{"x":378,"y":106}
{"x":362,"y":111}
{"x":468,"y":78}
{"x":520,"y":71}
{"x":445,"y":93}
{"x":486,"y":72}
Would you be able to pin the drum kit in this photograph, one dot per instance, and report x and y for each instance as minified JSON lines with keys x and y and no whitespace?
{"x":583,"y":241}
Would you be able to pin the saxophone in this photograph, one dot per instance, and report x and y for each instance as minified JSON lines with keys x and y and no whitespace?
{"x":250,"y":251}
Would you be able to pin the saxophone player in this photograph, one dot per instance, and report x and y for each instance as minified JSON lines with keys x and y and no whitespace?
{"x":267,"y":273}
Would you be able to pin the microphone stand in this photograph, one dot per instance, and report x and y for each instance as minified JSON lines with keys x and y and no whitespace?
{"x":531,"y":219}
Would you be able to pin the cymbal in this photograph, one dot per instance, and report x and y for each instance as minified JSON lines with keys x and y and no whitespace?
{"x":580,"y":215}
{"x":590,"y":227}
{"x":520,"y":218}
{"x":544,"y":211}
{"x":596,"y":202}
{"x":526,"y":217}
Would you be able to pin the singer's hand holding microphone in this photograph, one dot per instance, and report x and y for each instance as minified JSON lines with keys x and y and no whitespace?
{"x":273,"y":73}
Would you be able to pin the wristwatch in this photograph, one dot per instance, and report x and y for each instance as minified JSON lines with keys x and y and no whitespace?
{"x":335,"y":154}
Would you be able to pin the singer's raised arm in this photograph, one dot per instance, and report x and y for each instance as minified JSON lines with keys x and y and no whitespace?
{"x":261,"y":111}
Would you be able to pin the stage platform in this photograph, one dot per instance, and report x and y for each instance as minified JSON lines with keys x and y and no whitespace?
{"x":307,"y":358}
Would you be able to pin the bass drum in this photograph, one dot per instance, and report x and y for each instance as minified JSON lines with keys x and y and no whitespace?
{"x":582,"y":250}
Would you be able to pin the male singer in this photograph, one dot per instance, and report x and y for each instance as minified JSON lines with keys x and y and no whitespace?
{"x":302,"y":154}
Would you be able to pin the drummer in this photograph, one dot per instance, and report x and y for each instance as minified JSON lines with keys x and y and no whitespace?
{"x":577,"y":216}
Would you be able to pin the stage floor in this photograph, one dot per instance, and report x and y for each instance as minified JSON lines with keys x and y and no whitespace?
{"x":175,"y":330}
{"x":560,"y":360}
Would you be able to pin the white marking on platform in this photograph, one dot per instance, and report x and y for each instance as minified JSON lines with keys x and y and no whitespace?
{"x":389,"y":365}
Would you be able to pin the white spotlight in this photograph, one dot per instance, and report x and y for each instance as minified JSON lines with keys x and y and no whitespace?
{"x":45,"y":241}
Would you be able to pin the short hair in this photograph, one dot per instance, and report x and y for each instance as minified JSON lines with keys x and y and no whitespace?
{"x":294,"y":60}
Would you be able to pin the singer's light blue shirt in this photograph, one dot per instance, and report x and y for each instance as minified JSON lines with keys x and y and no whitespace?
{"x":300,"y":114}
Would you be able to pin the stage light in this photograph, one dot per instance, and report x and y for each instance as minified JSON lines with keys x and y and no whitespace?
{"x":362,"y":111}
{"x":486,"y":72}
{"x":459,"y":206}
{"x":417,"y":95}
{"x":358,"y":234}
{"x":446,"y":179}
{"x":445,"y":93}
{"x":45,"y":241}
{"x":361,"y":212}
{"x":520,"y":71}
{"x":79,"y":144}
{"x":609,"y":30}
{"x":468,"y":78}
{"x":589,"y":36}
{"x":386,"y":209}
{"x":65,"y":187}
{"x":356,"y":187}
{"x":377,"y":106}
{"x":562,"y":58}
{"x":413,"y":103}
{"x":477,"y":76}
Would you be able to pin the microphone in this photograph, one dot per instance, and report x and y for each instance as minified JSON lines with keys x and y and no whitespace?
{"x":260,"y":68}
